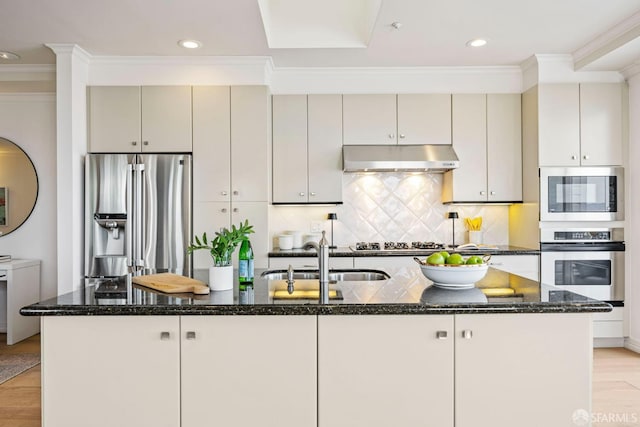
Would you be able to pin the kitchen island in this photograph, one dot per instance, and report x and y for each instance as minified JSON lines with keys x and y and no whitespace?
{"x":382,"y":352}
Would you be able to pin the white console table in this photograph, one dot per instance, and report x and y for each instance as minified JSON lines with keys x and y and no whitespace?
{"x":21,"y":278}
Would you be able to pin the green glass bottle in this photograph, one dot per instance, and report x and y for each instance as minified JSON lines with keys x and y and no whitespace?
{"x":245,"y":258}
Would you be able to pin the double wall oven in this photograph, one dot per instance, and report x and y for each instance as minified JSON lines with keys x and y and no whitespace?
{"x":575,"y":254}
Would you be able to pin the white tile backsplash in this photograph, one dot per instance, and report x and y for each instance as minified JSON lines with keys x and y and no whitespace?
{"x":381,"y":207}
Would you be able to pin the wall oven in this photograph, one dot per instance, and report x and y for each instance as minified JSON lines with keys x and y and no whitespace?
{"x":581,"y":194}
{"x":587,"y":261}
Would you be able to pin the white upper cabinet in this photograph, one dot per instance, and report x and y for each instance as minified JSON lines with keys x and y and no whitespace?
{"x":397,"y":119}
{"x":211,"y":143}
{"x":307,"y":149}
{"x":250,"y":143}
{"x":504,"y":147}
{"x":290,"y":151}
{"x":580,"y":124}
{"x":487,"y":139}
{"x":424,"y":119}
{"x":600,"y":124}
{"x":139,"y":119}
{"x":369,"y":119}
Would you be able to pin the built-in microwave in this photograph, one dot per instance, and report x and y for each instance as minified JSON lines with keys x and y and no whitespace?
{"x":581,"y":194}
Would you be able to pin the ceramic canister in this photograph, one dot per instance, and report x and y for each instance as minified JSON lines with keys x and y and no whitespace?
{"x":297,"y":238}
{"x":285,"y":241}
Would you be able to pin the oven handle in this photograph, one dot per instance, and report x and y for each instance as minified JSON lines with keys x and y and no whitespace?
{"x":583,"y":247}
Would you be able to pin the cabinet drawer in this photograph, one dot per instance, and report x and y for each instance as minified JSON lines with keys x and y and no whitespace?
{"x":309,"y":262}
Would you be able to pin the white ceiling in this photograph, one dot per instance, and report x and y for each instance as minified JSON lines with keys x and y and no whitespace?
{"x":433,"y":33}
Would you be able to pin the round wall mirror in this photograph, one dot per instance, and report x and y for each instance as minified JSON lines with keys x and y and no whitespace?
{"x":18,"y":186}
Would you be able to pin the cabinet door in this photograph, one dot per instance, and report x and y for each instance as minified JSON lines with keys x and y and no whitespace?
{"x":250,"y":143}
{"x":559,"y":124}
{"x":290,"y":149}
{"x":513,"y":361}
{"x":166,"y":119}
{"x":522,"y":265}
{"x":211,"y":144}
{"x":424,"y":119}
{"x":110,"y":371}
{"x":385,"y":371}
{"x":249,"y":371}
{"x":325,"y":148}
{"x":601,"y":124}
{"x":369,"y":119}
{"x":257,"y":214}
{"x":114,"y":119}
{"x":504,"y":148}
{"x":468,"y":183}
{"x":208,"y":217}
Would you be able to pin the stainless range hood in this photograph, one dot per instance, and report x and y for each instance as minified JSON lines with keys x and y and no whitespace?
{"x":391,"y":158}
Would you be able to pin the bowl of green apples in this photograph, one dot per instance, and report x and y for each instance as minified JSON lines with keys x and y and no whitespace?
{"x":453,"y":271}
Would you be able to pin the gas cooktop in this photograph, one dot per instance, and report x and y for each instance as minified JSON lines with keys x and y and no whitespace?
{"x":396,"y":246}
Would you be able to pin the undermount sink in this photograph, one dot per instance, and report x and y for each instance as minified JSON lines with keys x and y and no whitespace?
{"x":334,"y":275}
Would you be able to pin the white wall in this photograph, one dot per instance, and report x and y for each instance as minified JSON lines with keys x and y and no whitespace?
{"x":632,"y":229}
{"x":29,"y":120}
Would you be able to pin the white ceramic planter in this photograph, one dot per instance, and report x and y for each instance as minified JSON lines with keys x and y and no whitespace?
{"x":475,"y":236}
{"x":221,"y":278}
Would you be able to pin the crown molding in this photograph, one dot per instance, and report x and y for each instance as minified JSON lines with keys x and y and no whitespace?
{"x":70,"y":49}
{"x":631,"y":70}
{"x":607,"y":42}
{"x":27,"y":68}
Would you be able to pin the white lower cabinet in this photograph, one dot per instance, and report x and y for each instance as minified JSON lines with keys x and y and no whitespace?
{"x":105,"y":371}
{"x":249,"y":371}
{"x":490,"y":370}
{"x":381,"y":371}
{"x":525,"y":370}
{"x":463,"y":370}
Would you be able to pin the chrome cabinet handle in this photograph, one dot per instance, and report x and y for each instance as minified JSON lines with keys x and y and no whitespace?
{"x":441,"y":335}
{"x":191,"y":335}
{"x":146,"y":142}
{"x":164,"y":335}
{"x":224,"y":193}
{"x":392,"y":135}
{"x":573,"y":157}
{"x":586,"y":157}
{"x":401,"y":136}
{"x":493,"y":193}
{"x":223,"y":210}
{"x":236,"y":210}
{"x":236,"y":192}
{"x":301,"y":194}
{"x":312,"y":194}
{"x":483,"y":193}
{"x":134,"y":142}
{"x":467,"y":334}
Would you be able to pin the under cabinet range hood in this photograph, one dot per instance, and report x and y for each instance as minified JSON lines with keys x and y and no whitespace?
{"x":391,"y":158}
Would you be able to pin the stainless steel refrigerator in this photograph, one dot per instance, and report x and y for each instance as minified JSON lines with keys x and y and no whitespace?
{"x":137,"y":214}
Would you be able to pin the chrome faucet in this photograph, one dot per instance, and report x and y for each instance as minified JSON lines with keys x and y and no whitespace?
{"x":322,"y":248}
{"x":290,"y":280}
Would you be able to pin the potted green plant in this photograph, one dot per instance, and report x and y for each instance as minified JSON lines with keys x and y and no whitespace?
{"x":221,"y":248}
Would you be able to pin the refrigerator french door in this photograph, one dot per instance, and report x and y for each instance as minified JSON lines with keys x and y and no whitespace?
{"x":137,"y":214}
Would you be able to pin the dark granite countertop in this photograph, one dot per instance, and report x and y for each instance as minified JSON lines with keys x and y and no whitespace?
{"x":407,"y":291}
{"x":350,"y":252}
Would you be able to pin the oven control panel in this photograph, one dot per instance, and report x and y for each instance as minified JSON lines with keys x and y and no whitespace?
{"x":568,"y":235}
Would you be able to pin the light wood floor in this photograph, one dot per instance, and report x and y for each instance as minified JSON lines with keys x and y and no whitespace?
{"x":616,"y":388}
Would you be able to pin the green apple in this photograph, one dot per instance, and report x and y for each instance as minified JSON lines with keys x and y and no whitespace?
{"x":472,"y":260}
{"x":454,"y":259}
{"x":435,"y":259}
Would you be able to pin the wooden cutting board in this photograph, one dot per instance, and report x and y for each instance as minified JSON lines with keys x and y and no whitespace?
{"x":171,"y":283}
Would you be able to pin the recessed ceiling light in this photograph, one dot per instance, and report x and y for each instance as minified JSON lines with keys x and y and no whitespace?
{"x":476,"y":42}
{"x":9,"y":55}
{"x":190,"y":44}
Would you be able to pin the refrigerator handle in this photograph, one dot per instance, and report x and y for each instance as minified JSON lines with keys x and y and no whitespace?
{"x":139,"y":228}
{"x":128,"y":230}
